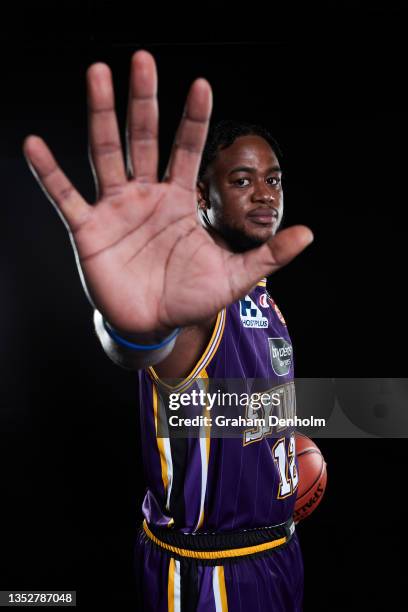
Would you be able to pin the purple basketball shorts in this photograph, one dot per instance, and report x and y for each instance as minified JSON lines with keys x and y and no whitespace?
{"x":256,"y":570}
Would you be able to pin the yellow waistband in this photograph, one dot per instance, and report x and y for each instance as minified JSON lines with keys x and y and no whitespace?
{"x":214,"y":554}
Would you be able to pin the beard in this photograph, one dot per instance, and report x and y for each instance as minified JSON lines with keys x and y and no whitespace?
{"x":239,"y":241}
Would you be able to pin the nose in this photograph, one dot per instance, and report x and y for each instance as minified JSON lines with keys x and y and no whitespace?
{"x":263,"y":193}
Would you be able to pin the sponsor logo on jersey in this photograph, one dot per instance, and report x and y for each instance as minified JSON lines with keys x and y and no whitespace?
{"x":263,"y":300}
{"x":280,"y":351}
{"x":250,"y":314}
{"x":276,"y":309}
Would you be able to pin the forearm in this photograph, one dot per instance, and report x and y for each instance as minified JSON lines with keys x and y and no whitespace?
{"x":128,"y":358}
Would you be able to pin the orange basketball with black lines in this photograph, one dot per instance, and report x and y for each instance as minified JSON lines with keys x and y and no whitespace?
{"x":312,"y":477}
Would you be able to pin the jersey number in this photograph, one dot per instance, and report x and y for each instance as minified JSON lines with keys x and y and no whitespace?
{"x":289,"y":477}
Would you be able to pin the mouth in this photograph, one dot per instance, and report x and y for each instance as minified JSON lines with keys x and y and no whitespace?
{"x":266,"y":217}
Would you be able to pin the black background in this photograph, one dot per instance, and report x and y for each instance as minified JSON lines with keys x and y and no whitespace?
{"x":330,"y":84}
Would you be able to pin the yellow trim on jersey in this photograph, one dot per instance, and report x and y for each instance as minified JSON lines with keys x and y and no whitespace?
{"x":262,"y":283}
{"x":203,"y":374}
{"x":205,"y":358}
{"x":160,"y":442}
{"x":214,"y":554}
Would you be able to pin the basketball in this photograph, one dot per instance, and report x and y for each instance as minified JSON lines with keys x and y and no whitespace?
{"x":312,"y":477}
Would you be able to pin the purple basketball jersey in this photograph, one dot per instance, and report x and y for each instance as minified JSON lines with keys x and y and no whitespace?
{"x":219,"y":484}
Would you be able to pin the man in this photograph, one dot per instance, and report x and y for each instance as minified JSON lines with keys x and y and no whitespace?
{"x":160,"y":282}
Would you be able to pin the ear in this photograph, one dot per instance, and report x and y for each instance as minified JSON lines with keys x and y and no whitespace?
{"x":202,"y":196}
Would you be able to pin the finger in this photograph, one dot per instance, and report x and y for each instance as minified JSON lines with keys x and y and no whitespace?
{"x":104,"y":139}
{"x":142,"y":128}
{"x":191,"y":135}
{"x":55,"y":184}
{"x":246,"y":269}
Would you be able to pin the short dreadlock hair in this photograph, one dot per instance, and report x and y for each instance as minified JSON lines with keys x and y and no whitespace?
{"x":224,"y":133}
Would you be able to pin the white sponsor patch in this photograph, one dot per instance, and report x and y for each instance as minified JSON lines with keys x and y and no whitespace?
{"x":250,"y":314}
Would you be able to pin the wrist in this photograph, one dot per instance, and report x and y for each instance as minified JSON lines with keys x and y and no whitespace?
{"x":142,"y":342}
{"x":147,"y":338}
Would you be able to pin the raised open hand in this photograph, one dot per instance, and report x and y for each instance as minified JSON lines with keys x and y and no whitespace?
{"x":145,"y":261}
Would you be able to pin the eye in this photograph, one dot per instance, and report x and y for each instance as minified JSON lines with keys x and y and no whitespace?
{"x":274,"y":180}
{"x":241,"y":182}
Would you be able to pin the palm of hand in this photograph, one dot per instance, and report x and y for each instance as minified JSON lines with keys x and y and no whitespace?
{"x":146,"y":260}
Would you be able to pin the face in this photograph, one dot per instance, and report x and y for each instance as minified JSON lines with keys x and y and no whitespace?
{"x":242,"y":193}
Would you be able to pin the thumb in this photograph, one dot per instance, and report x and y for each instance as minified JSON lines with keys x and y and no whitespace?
{"x":247,"y":268}
{"x":283,"y":247}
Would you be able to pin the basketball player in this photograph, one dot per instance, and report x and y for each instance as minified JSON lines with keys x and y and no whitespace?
{"x":178,"y":295}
